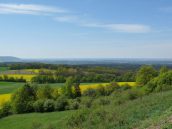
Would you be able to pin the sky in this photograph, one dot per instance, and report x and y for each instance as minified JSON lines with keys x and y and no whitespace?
{"x":86,"y":28}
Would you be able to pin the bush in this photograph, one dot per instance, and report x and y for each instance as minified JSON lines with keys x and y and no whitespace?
{"x":100,"y":91}
{"x":76,"y":120}
{"x":61,"y":104}
{"x":74,"y":104}
{"x":44,"y":92}
{"x":90,"y":92}
{"x":49,"y":105}
{"x":109,"y":89}
{"x":145,"y":74}
{"x":39,"y":106}
{"x":161,"y":83}
{"x":86,"y":102}
{"x":56,"y":93}
{"x":5,"y":110}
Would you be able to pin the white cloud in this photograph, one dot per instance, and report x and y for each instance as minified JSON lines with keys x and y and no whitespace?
{"x":129,"y":28}
{"x":28,"y":9}
{"x":69,"y":19}
{"x":34,"y":9}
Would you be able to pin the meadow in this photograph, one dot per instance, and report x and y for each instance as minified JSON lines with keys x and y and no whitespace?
{"x":4,"y":69}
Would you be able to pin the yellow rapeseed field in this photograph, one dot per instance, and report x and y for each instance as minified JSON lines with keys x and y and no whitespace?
{"x":128,"y":83}
{"x":25,"y":76}
{"x":4,"y":98}
{"x":94,"y":86}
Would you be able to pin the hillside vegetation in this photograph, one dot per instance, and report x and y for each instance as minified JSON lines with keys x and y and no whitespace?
{"x":140,"y":113}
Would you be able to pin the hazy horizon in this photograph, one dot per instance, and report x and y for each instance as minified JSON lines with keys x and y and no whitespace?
{"x":86,"y":29}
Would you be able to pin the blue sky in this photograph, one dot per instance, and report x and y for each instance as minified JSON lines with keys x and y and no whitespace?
{"x":86,"y":28}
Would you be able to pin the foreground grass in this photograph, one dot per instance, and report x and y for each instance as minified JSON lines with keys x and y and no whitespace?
{"x":27,"y":121}
{"x":141,"y":113}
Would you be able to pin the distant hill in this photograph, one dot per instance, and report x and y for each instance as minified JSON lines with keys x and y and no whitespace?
{"x":9,"y":59}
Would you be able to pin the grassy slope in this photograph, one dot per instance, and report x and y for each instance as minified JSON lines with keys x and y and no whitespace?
{"x":27,"y":120}
{"x":141,"y":113}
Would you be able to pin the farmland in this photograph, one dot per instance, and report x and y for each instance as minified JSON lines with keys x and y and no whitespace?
{"x":71,"y":97}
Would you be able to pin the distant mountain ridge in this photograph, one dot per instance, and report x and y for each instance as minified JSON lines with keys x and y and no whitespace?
{"x":9,"y":59}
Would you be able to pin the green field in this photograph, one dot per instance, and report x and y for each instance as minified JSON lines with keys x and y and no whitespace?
{"x":141,"y":113}
{"x":2,"y":69}
{"x":9,"y":87}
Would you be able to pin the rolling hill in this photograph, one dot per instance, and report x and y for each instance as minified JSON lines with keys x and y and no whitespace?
{"x":9,"y":59}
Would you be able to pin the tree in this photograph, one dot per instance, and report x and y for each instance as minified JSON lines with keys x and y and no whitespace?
{"x":77,"y":90}
{"x":145,"y":74}
{"x":160,"y":83}
{"x":68,"y":87}
{"x":44,"y":92}
{"x":22,"y":99}
{"x":163,"y":69}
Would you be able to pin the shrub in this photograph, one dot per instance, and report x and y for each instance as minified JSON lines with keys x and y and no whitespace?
{"x":104,"y":101}
{"x":86,"y":102}
{"x":44,"y":92}
{"x":100,"y":91}
{"x":76,"y":120}
{"x":160,"y":83}
{"x":74,"y":104}
{"x":5,"y":109}
{"x":49,"y":105}
{"x":109,"y":89}
{"x":39,"y":106}
{"x":90,"y":92}
{"x":56,"y":93}
{"x":61,"y":104}
{"x":145,"y":74}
